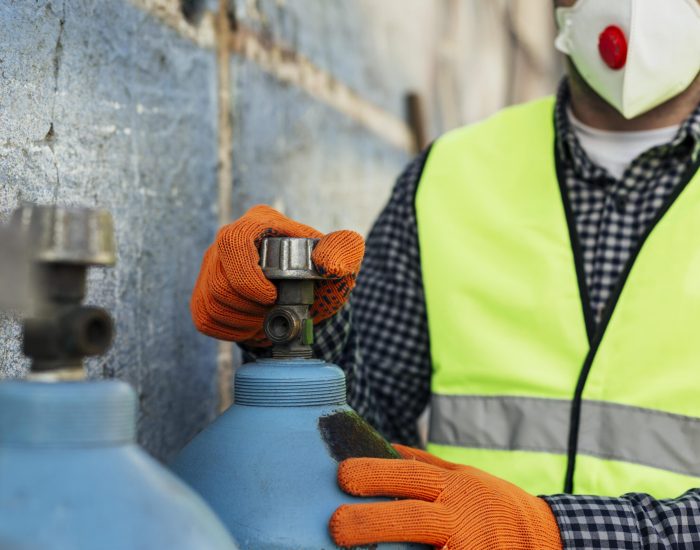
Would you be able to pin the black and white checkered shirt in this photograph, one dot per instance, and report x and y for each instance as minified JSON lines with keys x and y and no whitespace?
{"x":381,"y":337}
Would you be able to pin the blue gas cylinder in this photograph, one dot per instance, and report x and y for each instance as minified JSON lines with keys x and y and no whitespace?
{"x":268,"y":465}
{"x":73,"y":478}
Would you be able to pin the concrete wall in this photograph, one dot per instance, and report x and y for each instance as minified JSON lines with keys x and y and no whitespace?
{"x":178,"y":116}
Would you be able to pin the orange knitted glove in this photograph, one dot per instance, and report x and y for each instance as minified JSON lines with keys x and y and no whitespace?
{"x":452,"y":506}
{"x":232,"y":296}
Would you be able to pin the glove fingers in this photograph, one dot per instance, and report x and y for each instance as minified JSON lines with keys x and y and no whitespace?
{"x":213,"y":280}
{"x":230,"y":317}
{"x":237,"y":252}
{"x":339,"y":254}
{"x":220,"y":290}
{"x":206,"y":324}
{"x":221,"y":332}
{"x":218,"y":321}
{"x":219,"y":311}
{"x":329,"y":297}
{"x":399,"y":521}
{"x":411,"y":453}
{"x":391,"y":478}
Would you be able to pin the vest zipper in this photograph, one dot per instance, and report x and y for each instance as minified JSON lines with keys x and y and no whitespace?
{"x":596,"y":334}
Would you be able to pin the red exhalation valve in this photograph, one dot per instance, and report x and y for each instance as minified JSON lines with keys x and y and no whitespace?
{"x":612,"y":45}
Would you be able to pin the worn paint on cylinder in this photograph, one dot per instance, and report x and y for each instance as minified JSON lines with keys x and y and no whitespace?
{"x":348,"y":435}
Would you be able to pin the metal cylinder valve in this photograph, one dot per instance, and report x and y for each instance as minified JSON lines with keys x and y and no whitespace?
{"x":62,"y":242}
{"x":286,"y":261}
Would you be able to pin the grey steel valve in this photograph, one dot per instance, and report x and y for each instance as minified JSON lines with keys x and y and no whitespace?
{"x":286,"y":261}
{"x":61,"y":243}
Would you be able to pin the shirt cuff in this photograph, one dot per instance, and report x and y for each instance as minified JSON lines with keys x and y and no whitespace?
{"x":595,"y":522}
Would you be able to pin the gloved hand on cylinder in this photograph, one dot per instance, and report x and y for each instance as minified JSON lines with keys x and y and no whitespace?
{"x":232,"y":296}
{"x":446,"y":505}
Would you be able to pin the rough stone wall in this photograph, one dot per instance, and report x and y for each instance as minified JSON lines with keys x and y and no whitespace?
{"x":179,"y":115}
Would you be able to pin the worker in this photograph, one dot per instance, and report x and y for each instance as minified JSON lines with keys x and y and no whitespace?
{"x":535,"y":278}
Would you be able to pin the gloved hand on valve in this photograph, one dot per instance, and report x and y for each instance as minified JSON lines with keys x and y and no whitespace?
{"x":232,"y":296}
{"x":446,"y":505}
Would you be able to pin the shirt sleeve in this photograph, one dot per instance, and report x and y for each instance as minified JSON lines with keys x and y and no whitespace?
{"x":634,"y":521}
{"x":380,"y":338}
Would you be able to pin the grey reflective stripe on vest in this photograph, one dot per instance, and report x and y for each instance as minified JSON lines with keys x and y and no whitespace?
{"x":610,"y":431}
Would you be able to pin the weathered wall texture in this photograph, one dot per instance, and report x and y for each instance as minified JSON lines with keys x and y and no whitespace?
{"x":102,"y":104}
{"x":179,"y":115}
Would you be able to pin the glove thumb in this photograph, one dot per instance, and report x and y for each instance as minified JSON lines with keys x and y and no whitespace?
{"x":339,"y":254}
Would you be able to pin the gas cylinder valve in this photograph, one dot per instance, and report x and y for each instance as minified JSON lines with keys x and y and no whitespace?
{"x":62,"y":242}
{"x":286,"y":261}
{"x":72,"y":473}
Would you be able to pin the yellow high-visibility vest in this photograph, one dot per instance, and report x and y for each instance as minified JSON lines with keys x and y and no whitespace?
{"x":523,"y":385}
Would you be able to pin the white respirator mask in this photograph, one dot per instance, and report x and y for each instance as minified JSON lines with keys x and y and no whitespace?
{"x":636,"y":54}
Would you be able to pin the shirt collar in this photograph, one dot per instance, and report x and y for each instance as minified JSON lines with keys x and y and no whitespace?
{"x":571,"y":152}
